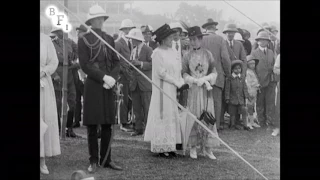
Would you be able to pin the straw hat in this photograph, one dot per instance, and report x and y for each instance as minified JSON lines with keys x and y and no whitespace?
{"x":146,"y":28}
{"x":176,"y":26}
{"x":251,"y":59}
{"x":263,"y":35}
{"x":94,"y":12}
{"x":230,"y":28}
{"x":195,"y":31}
{"x":209,"y":22}
{"x":126,"y":23}
{"x":238,"y":37}
{"x":162,"y":32}
{"x":136,"y":34}
{"x":236,"y":62}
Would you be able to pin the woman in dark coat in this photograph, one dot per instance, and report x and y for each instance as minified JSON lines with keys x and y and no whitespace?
{"x":101,"y":65}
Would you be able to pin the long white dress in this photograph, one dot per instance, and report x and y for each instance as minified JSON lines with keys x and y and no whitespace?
{"x":164,"y":132}
{"x":49,"y":142}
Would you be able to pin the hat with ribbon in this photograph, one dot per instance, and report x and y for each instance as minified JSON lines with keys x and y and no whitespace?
{"x":251,"y":59}
{"x":263,"y":35}
{"x":230,"y":28}
{"x":81,"y":28}
{"x":162,"y":32}
{"x":195,"y":31}
{"x":238,"y":37}
{"x":94,"y":12}
{"x":236,"y":62}
{"x":146,"y":28}
{"x":135,"y":34}
{"x":209,"y":22}
{"x":126,"y":23}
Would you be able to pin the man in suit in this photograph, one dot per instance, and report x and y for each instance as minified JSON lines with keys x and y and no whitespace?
{"x":236,"y":52}
{"x":147,"y":33}
{"x":273,"y":44}
{"x":267,"y":79}
{"x":57,"y":79}
{"x":140,"y":88}
{"x":217,"y":46}
{"x":124,"y":47}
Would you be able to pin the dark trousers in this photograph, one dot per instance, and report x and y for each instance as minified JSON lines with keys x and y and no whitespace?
{"x":92,"y":133}
{"x":124,"y":107}
{"x":71,"y":100}
{"x":78,"y":109}
{"x":266,"y":104}
{"x":141,"y":103}
{"x":277,"y":113}
{"x":218,"y":101}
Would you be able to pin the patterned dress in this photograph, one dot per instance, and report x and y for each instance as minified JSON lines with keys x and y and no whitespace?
{"x":163,"y":127}
{"x":197,"y":64}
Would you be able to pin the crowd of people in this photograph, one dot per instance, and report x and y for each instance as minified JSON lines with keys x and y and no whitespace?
{"x":204,"y":72}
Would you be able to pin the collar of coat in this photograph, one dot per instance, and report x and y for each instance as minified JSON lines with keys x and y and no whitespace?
{"x":234,"y":75}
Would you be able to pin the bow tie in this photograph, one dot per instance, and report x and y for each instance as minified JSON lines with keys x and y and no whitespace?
{"x":196,"y":48}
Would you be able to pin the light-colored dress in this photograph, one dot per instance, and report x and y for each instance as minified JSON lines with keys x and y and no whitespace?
{"x":49,"y":142}
{"x":252,"y":84}
{"x":199,"y":63}
{"x":163,"y":129}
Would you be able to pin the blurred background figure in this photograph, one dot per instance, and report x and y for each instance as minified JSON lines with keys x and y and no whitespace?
{"x":147,"y":33}
{"x":115,"y":36}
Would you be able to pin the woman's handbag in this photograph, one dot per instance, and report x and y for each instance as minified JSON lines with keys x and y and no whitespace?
{"x":207,"y":116}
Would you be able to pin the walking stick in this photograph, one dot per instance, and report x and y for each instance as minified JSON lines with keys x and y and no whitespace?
{"x":119,"y":100}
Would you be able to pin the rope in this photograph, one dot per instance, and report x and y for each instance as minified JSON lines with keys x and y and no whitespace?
{"x":161,"y":90}
{"x":251,"y":19}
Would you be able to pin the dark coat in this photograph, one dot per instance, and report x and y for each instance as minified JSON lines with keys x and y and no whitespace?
{"x":218,"y":48}
{"x":247,"y":46}
{"x":236,"y":91}
{"x":275,"y":48}
{"x":264,"y":68}
{"x":137,"y":79}
{"x":153,"y":45}
{"x":122,"y":47}
{"x":99,"y":103}
{"x":238,"y":53}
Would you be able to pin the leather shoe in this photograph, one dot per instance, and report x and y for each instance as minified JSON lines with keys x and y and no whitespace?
{"x":112,"y":165}
{"x":92,"y":168}
{"x":136,"y":133}
{"x":76,"y":125}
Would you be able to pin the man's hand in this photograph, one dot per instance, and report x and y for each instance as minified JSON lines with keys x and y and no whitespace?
{"x":136,"y":62}
{"x":109,"y":81}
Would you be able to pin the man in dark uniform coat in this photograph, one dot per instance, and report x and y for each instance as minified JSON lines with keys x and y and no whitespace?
{"x":58,"y":76}
{"x":147,"y":33}
{"x":101,"y":64}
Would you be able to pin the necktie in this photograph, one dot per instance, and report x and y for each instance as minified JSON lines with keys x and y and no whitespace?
{"x":265,"y":52}
{"x":136,"y":56}
{"x":177,"y":46}
{"x":231,"y":45}
{"x":129,"y":45}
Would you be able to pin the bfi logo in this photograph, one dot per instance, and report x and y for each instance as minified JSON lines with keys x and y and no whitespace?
{"x":58,"y":19}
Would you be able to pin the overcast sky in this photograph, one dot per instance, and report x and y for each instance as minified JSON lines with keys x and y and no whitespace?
{"x":258,"y":10}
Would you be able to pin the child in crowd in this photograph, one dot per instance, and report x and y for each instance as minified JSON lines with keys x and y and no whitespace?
{"x":236,"y":94}
{"x":253,"y":87}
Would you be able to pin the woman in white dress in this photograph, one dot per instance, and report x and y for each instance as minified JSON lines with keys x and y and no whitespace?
{"x":163,"y":127}
{"x":49,"y":132}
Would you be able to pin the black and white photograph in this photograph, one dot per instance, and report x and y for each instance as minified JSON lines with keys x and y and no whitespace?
{"x":166,"y":90}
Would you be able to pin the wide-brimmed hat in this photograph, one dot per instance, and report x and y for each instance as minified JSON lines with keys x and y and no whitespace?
{"x":251,"y":58}
{"x":55,"y":29}
{"x":230,"y":28}
{"x":52,"y":35}
{"x":82,"y":28}
{"x":176,"y":26}
{"x":209,"y":22}
{"x":236,"y":62}
{"x":94,"y":12}
{"x":265,"y":27}
{"x":146,"y":28}
{"x":195,"y":31}
{"x":263,"y":35}
{"x":136,"y":34}
{"x":273,"y":28}
{"x":238,"y":37}
{"x":162,"y":32}
{"x":127,"y":23}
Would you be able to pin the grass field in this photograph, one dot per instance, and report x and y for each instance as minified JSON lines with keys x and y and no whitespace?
{"x":257,"y":146}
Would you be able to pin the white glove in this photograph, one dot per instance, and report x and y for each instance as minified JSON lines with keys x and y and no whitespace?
{"x":200,"y":82}
{"x":109,"y":81}
{"x":179,"y":84}
{"x":106,"y":86}
{"x":208,"y":86}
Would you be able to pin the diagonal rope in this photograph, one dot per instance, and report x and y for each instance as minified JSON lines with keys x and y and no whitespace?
{"x":161,"y":90}
{"x":251,"y":19}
